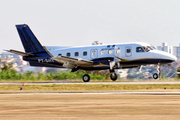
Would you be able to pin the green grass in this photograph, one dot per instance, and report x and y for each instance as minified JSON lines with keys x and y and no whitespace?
{"x":90,"y":87}
{"x":30,"y":75}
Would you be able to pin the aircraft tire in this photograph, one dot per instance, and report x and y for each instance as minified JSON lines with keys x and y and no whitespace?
{"x":113,"y":76}
{"x":86,"y":78}
{"x":155,"y":76}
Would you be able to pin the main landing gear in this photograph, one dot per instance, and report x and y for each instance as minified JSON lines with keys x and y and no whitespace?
{"x":113,"y":65}
{"x":86,"y":78}
{"x":113,"y":76}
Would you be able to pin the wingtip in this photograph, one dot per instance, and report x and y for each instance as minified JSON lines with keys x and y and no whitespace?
{"x":6,"y":50}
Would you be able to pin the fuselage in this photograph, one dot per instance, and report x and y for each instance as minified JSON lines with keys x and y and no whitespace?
{"x":128,"y":54}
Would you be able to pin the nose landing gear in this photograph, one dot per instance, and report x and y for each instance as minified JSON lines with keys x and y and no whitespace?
{"x":155,"y":76}
{"x":158,"y":74}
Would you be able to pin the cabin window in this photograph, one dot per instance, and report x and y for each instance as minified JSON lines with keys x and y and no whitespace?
{"x":118,"y":51}
{"x":139,"y":49}
{"x":102,"y":52}
{"x":68,"y":54}
{"x":85,"y":53}
{"x":128,"y":50}
{"x":59,"y":54}
{"x":110,"y":51}
{"x":76,"y":54}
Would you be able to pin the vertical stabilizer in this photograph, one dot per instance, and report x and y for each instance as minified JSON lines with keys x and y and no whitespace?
{"x":30,"y":42}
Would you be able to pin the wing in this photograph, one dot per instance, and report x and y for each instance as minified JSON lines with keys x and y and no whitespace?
{"x":69,"y":62}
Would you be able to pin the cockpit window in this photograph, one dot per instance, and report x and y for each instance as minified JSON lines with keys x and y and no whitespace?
{"x":153,"y":47}
{"x":150,"y":47}
{"x":139,"y":49}
{"x":146,"y":48}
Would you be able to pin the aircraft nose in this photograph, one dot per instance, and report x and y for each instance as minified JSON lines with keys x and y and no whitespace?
{"x":165,"y":55}
{"x":172,"y":57}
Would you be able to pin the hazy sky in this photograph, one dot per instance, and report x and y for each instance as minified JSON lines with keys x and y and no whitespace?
{"x":80,"y":22}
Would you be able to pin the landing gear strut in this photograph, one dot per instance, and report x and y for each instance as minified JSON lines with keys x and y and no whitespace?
{"x":86,"y":78}
{"x":113,"y":65}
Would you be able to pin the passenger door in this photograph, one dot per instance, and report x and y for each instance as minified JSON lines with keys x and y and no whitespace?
{"x":94,"y":53}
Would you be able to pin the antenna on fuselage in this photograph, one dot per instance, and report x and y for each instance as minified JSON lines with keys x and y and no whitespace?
{"x":96,"y":43}
{"x":138,"y":40}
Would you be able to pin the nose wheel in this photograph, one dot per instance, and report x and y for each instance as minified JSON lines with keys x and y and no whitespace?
{"x":158,"y":74}
{"x":113,"y":76}
{"x":155,"y":76}
{"x":86,"y":78}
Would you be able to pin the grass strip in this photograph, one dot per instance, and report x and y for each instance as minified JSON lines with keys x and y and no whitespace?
{"x":90,"y":87}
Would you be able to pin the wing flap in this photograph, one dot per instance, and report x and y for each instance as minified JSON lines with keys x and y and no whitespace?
{"x":19,"y":52}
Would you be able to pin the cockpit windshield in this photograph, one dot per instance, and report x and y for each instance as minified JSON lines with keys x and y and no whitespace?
{"x":148,"y":48}
{"x":153,"y":47}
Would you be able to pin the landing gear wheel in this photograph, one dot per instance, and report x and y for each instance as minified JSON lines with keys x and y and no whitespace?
{"x":86,"y":78}
{"x":155,"y":76}
{"x":113,"y":76}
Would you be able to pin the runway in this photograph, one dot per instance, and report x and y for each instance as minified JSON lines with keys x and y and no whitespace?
{"x":163,"y":104}
{"x":95,"y":92}
{"x":98,"y":106}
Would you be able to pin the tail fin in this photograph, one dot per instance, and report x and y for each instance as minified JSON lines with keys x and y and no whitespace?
{"x":30,"y":42}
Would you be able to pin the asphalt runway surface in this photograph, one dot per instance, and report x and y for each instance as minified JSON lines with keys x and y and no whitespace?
{"x":91,"y":104}
{"x":88,"y":105}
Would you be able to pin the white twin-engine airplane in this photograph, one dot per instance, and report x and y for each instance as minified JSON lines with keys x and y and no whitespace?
{"x":96,"y":57}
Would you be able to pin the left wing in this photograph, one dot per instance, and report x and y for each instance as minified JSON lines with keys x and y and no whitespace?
{"x":70,"y":62}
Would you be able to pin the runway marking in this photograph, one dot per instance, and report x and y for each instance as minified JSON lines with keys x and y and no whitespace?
{"x":83,"y":106}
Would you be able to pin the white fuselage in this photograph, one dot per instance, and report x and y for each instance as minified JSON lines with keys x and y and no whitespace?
{"x":126,"y":52}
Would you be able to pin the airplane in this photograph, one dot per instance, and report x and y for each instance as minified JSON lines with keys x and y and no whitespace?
{"x":94,"y":57}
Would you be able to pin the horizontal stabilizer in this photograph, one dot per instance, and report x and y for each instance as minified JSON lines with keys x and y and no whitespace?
{"x":19,"y":53}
